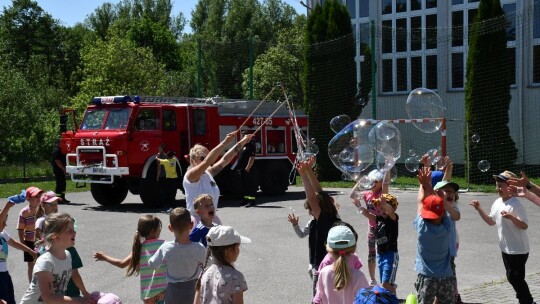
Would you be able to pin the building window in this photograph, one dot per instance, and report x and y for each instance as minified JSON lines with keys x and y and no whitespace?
{"x":364,"y":8}
{"x":408,"y":45}
{"x":463,"y":14}
{"x":351,"y":5}
{"x":457,"y":70}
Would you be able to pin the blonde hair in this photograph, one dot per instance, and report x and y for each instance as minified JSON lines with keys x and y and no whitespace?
{"x":147,"y":224}
{"x":180,"y":219}
{"x":197,"y":202}
{"x":54,"y":223}
{"x":341,"y":268}
{"x":196,"y":151}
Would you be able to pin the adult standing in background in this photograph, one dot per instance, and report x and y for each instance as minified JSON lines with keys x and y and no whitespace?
{"x":58,"y":163}
{"x":204,"y":165}
{"x":243,"y":167}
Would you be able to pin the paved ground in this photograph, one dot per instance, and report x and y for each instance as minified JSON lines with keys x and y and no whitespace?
{"x":275,"y":264}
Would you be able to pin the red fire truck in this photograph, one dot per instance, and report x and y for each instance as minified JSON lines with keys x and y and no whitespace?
{"x":115,"y":145}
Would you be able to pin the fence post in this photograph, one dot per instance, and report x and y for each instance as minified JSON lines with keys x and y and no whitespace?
{"x":250,"y":67}
{"x":199,"y":69}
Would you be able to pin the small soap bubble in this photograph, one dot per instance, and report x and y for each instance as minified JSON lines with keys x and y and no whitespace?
{"x":484,"y":165}
{"x":475,"y":138}
{"x":412,"y":164}
{"x":412,"y":152}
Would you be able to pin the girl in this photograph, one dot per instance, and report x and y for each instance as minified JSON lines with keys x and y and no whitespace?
{"x":221,"y":282}
{"x":52,"y":270}
{"x":145,"y":243}
{"x":378,"y":187}
{"x":339,"y":282}
{"x":48,"y":205}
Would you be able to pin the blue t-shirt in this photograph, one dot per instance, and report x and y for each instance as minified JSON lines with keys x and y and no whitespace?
{"x":198,"y":234}
{"x":433,"y":247}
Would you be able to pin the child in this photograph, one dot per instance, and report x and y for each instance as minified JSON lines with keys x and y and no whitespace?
{"x":145,"y":243}
{"x":26,"y":226}
{"x":434,"y":233}
{"x":511,"y":220}
{"x":303,"y":232}
{"x":338,"y":283}
{"x":204,"y":207}
{"x":221,"y":282}
{"x":52,"y":271}
{"x":48,"y":205}
{"x":182,"y":257}
{"x":6,"y":288}
{"x":387,"y":236}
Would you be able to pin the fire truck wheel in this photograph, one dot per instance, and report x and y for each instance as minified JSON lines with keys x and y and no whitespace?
{"x":109,"y":194}
{"x":275,"y":178}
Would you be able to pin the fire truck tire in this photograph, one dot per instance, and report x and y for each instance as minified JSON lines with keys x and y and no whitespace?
{"x":109,"y":194}
{"x":275,"y":178}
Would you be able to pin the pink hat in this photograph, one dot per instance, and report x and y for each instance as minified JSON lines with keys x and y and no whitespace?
{"x":433,"y":207}
{"x":33,"y":191}
{"x":49,"y":197}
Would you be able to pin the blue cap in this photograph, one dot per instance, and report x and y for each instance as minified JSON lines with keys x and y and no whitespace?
{"x":436,"y":176}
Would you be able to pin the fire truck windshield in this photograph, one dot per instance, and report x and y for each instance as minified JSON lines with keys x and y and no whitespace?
{"x":106,"y":119}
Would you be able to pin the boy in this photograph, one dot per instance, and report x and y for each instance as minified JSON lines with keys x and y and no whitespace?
{"x":204,"y":207}
{"x":434,"y":234}
{"x":27,"y":225}
{"x":6,"y":288}
{"x":182,"y":257}
{"x":387,"y":235}
{"x":511,"y":220}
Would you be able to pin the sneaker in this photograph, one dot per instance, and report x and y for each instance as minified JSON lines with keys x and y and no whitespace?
{"x":373,"y":282}
{"x":458,"y":299}
{"x":251,"y":203}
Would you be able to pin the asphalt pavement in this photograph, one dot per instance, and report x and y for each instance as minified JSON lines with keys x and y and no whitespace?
{"x":275,"y":264}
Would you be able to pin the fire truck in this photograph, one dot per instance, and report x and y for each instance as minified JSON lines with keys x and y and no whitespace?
{"x":115,"y":145}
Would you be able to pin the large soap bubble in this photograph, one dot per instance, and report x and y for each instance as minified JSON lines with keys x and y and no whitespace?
{"x":349,"y":149}
{"x":423,"y":103}
{"x":339,"y":122}
{"x":412,"y":164}
{"x":384,"y":164}
{"x":386,"y":140}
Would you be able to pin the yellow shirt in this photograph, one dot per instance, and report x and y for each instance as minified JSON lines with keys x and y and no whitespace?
{"x":170,"y":167}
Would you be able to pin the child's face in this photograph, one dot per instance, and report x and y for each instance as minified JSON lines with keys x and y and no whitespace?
{"x":448,"y":194}
{"x":34,"y":201}
{"x":50,"y":208}
{"x":503,"y":189}
{"x":233,"y":253}
{"x":206,"y":210}
{"x":377,"y":186}
{"x":66,"y":238}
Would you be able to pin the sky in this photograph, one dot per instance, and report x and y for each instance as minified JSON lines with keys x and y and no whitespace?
{"x":69,"y":12}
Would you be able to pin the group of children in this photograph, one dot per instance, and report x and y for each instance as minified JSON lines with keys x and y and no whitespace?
{"x":340,"y":279}
{"x":182,"y":270}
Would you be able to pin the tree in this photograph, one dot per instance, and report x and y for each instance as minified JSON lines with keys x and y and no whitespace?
{"x":102,"y":19}
{"x":487,"y":92}
{"x":329,"y":75}
{"x":118,"y":67}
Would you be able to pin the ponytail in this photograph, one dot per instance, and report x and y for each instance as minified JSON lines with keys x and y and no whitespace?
{"x":198,"y":284}
{"x":342,"y":274}
{"x":134,"y":264}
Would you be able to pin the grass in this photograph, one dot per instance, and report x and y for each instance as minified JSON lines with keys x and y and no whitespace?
{"x":15,"y":188}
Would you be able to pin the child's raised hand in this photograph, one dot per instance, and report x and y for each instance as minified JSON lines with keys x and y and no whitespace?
{"x":99,"y":256}
{"x":293,"y":219}
{"x":310,"y":161}
{"x":424,"y":176}
{"x":475,"y":204}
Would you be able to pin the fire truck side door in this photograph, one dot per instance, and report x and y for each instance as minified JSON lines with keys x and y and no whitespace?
{"x":199,"y":126}
{"x":145,"y":137}
{"x":173,"y":132}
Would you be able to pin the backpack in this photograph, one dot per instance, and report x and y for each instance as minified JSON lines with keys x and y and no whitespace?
{"x":375,"y":295}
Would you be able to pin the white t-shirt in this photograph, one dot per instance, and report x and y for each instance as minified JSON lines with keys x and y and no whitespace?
{"x":4,"y":238}
{"x":39,"y":223}
{"x":184,"y":261}
{"x":512,"y":240}
{"x":61,"y":273}
{"x":205,"y":185}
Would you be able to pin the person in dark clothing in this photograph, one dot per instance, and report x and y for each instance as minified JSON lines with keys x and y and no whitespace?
{"x":244,"y":167}
{"x":58,"y":163}
{"x":171,"y":177}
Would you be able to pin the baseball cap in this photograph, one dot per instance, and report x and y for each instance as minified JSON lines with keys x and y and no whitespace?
{"x":340,"y":237}
{"x":436,"y":176}
{"x":33,"y":191}
{"x":224,"y":236}
{"x":443,"y":184}
{"x":432,"y":207}
{"x":505,"y":176}
{"x":49,"y":197}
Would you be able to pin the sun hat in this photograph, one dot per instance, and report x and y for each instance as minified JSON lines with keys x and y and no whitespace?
{"x":432,"y":207}
{"x":49,"y":197}
{"x":224,"y":236}
{"x":443,"y":184}
{"x":505,"y":176}
{"x":33,"y":191}
{"x":340,"y":237}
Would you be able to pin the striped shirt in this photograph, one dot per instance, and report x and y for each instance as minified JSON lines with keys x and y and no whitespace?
{"x":27,"y":222}
{"x":153,"y":282}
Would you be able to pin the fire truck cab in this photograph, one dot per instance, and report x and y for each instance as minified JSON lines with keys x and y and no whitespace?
{"x":115,"y":146}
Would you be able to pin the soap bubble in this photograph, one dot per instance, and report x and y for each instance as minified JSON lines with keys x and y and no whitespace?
{"x":313,"y":149}
{"x":412,"y":152}
{"x":349,"y":150}
{"x":365,"y":182}
{"x":389,"y":147}
{"x":393,"y":174}
{"x":434,"y":156}
{"x":339,"y":122}
{"x":384,"y":164}
{"x":484,"y":165}
{"x":423,"y":103}
{"x":475,"y":138}
{"x":412,"y":164}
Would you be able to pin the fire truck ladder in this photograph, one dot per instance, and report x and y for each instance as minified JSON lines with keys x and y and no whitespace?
{"x":96,"y":169}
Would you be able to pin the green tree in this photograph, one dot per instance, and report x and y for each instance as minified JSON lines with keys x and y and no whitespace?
{"x":118,"y":67}
{"x":102,"y":19}
{"x":487,"y":92}
{"x":329,"y":75}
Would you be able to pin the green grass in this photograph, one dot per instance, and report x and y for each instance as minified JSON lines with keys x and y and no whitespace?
{"x":15,"y":188}
{"x":19,"y":171}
